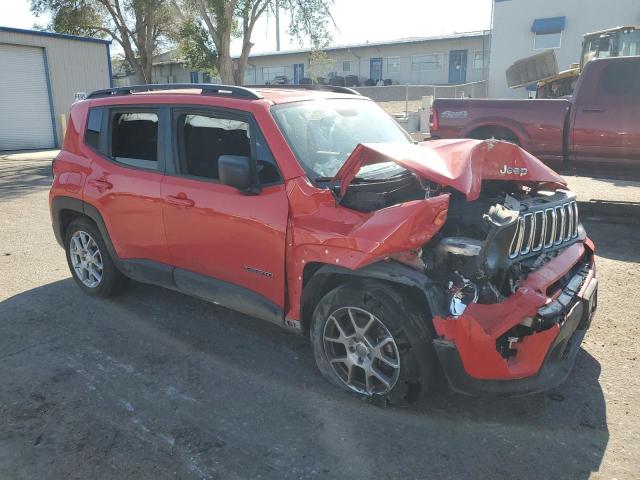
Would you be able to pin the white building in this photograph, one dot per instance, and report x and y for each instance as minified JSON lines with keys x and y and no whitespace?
{"x":40,"y":73}
{"x":449,"y":59}
{"x":522,"y":28}
{"x":443,"y":60}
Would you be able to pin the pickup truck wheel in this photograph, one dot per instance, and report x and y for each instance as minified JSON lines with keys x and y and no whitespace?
{"x":370,"y":340}
{"x":91,"y":266}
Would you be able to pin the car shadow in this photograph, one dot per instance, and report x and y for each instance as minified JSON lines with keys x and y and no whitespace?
{"x":615,"y":241}
{"x":19,"y":179}
{"x":178,"y":383}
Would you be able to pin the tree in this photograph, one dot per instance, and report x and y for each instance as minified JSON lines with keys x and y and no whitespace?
{"x":319,"y":64}
{"x":140,"y":27}
{"x":224,"y":20}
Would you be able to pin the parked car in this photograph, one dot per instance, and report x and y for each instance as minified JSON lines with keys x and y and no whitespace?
{"x":315,"y":211}
{"x":596,"y":127}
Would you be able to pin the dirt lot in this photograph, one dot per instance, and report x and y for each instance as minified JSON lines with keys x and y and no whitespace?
{"x":155,"y":384}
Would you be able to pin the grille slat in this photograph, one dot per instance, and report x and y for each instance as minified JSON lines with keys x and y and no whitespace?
{"x":544,"y":229}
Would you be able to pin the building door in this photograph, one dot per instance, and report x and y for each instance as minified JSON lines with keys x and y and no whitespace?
{"x":26,"y":121}
{"x":298,"y":73}
{"x":375,"y":69}
{"x":458,"y":66}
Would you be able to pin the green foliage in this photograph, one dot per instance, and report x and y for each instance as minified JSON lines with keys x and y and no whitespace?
{"x":310,"y":19}
{"x":76,"y":17}
{"x":319,"y":64}
{"x":197,"y":48}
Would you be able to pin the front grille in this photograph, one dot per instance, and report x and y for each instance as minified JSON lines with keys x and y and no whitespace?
{"x":544,"y":229}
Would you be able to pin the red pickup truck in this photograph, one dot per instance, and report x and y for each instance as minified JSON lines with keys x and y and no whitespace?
{"x":599,"y":126}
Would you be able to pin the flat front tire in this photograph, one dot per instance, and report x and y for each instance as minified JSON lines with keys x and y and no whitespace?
{"x":371,"y":340}
{"x":89,"y":261}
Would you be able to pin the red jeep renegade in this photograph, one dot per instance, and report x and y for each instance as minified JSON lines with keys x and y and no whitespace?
{"x":311,"y":208}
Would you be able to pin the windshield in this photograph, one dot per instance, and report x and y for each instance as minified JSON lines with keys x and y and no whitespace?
{"x":322,"y":133}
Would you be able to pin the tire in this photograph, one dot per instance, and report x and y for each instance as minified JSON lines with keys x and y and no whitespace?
{"x":86,"y":251}
{"x":406,"y":362}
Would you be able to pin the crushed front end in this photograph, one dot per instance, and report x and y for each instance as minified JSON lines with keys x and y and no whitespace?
{"x":520,"y":289}
{"x":510,"y":274}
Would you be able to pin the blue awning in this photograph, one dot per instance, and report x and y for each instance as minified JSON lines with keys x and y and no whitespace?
{"x":548,"y":25}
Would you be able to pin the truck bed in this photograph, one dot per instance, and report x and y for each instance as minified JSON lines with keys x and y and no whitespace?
{"x":538,"y":126}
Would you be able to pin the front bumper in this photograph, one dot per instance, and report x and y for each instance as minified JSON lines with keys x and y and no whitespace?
{"x":466,"y":346}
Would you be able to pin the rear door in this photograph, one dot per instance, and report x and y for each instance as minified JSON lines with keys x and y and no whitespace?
{"x":125,"y":178}
{"x":605,"y":113}
{"x":219,"y":237}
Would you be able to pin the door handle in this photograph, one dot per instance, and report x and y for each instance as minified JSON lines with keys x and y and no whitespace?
{"x":593,"y":110}
{"x":100,"y":184}
{"x":180,"y":200}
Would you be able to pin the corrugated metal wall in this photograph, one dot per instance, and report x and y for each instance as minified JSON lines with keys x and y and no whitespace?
{"x":73,"y":65}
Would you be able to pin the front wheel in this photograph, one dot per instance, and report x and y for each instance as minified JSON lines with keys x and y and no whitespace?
{"x":370,"y":340}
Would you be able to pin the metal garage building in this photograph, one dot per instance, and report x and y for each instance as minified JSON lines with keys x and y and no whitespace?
{"x":40,"y":74}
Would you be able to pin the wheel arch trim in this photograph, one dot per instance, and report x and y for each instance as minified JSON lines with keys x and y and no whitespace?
{"x":61,"y":203}
{"x":388,"y":271}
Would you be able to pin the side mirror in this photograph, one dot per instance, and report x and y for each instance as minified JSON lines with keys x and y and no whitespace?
{"x":236,"y":171}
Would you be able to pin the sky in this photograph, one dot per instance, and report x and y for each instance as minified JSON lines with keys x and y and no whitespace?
{"x":357,"y":21}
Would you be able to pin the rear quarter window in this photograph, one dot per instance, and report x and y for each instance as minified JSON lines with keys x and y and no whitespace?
{"x":94,"y":128}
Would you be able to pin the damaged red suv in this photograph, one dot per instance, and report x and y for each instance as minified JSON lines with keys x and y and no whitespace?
{"x":312,"y":209}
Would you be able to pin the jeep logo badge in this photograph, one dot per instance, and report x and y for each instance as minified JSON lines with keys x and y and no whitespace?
{"x":506,"y":170}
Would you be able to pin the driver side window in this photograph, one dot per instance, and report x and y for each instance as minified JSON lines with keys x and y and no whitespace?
{"x":203,"y":139}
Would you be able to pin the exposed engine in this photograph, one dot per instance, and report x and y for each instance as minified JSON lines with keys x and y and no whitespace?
{"x":488,"y":246}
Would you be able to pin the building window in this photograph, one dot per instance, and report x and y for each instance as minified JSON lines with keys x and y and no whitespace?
{"x":543,"y":41}
{"x":432,"y":61}
{"x":393,"y":64}
{"x":206,"y":77}
{"x":547,"y":32}
{"x":269,"y":74}
{"x":193,"y":76}
{"x":480,"y":59}
{"x":346,"y":66}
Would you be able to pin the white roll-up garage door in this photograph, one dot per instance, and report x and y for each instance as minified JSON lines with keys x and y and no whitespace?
{"x":25,"y":111}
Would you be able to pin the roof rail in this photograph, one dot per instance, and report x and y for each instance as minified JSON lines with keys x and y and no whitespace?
{"x":326,"y":88}
{"x":206,"y":88}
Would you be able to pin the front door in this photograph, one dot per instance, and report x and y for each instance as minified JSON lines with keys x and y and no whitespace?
{"x":214,"y":231}
{"x":298,"y":73}
{"x":457,"y":66}
{"x":375,"y":69}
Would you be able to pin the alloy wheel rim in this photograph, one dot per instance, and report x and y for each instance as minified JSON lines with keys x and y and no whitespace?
{"x":86,"y":259}
{"x":361,"y":351}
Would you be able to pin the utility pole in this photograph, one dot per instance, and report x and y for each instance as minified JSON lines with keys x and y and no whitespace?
{"x":277,"y":25}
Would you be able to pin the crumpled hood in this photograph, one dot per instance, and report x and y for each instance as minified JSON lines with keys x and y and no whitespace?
{"x":459,"y":164}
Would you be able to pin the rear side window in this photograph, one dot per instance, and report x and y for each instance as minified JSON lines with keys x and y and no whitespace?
{"x":621,"y":78}
{"x":134,"y":139}
{"x":94,"y":127}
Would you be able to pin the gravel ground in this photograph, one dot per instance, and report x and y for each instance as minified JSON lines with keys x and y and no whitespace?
{"x":155,"y":384}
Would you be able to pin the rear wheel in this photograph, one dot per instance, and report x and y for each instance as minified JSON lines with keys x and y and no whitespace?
{"x":91,"y":266}
{"x":370,"y":340}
